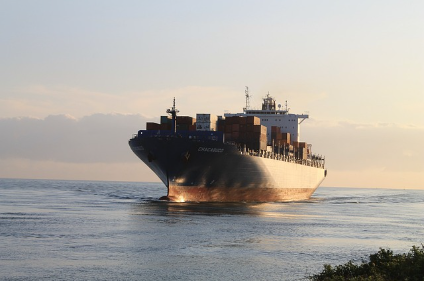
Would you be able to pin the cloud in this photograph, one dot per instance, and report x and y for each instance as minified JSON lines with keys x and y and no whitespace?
{"x":375,"y":178}
{"x":40,"y":101}
{"x":98,"y":138}
{"x":379,"y":155}
{"x":350,"y":146}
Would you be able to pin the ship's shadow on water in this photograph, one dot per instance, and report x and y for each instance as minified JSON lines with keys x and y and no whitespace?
{"x":165,"y":208}
{"x":271,"y":209}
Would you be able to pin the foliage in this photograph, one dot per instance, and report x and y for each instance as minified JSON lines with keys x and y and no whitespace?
{"x":382,"y":266}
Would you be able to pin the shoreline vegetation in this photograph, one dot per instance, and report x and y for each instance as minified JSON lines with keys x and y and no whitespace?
{"x":382,"y":266}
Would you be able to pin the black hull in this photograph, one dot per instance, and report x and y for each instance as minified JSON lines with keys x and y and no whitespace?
{"x":207,"y":170}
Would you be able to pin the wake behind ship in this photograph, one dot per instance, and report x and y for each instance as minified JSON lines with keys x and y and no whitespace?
{"x":254,"y":156}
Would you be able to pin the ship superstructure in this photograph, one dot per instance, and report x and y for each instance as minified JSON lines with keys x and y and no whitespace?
{"x":270,"y":117}
{"x":251,"y":156}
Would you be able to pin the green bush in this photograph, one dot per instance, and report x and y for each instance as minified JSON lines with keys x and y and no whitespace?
{"x":382,"y":266}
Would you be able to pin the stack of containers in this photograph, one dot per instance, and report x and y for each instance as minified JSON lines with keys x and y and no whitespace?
{"x":206,"y":122}
{"x":152,"y":126}
{"x":300,"y":150}
{"x":246,"y":131}
{"x":185,"y":123}
{"x":230,"y":132}
{"x":165,"y":123}
{"x":259,"y":137}
{"x":221,"y":124}
{"x":281,"y":141}
{"x":279,"y":137}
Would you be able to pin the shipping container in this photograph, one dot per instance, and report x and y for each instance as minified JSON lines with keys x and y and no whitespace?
{"x":259,"y":135}
{"x":236,"y":120}
{"x":229,"y":120}
{"x":300,"y":153}
{"x":165,"y":120}
{"x":182,"y":127}
{"x":303,"y":153}
{"x":259,"y":129}
{"x":256,"y":145}
{"x":286,"y":137}
{"x":228,"y":128}
{"x":276,"y":136}
{"x":228,"y":137}
{"x":275,"y":129}
{"x":185,"y":120}
{"x":205,"y":127}
{"x":221,"y":124}
{"x":152,"y":126}
{"x":206,"y":118}
{"x":300,"y":144}
{"x":165,"y":127}
{"x":253,"y":120}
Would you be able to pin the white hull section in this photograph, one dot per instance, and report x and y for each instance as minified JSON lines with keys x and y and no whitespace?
{"x":290,"y":175}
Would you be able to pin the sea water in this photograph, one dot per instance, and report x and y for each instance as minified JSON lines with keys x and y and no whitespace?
{"x":86,"y":230}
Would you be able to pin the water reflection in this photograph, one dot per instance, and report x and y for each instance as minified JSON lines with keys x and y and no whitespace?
{"x":165,"y":208}
{"x":288,"y":210}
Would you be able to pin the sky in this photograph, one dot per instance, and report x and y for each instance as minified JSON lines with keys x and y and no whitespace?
{"x":78,"y":78}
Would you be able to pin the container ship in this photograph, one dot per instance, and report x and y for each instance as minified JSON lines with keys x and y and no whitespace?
{"x":253,"y":156}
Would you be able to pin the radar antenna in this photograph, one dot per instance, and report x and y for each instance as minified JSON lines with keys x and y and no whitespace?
{"x":173,"y":112}
{"x":248,"y":96}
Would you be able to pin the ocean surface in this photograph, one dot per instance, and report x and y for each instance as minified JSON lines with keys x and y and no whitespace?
{"x":88,"y":230}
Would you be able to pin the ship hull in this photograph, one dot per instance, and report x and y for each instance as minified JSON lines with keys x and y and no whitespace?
{"x":224,"y":194}
{"x":211,"y":171}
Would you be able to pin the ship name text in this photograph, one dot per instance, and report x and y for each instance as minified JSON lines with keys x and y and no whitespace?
{"x":211,"y":149}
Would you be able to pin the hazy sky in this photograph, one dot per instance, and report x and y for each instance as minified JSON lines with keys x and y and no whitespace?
{"x":78,"y":78}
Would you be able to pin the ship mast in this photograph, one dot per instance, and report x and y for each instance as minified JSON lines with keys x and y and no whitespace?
{"x":268,"y":103}
{"x":248,"y":96}
{"x":173,"y":112}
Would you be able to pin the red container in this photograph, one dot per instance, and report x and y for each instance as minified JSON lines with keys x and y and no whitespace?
{"x":152,"y":126}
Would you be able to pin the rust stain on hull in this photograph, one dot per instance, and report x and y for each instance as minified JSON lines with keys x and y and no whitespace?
{"x":217,"y":194}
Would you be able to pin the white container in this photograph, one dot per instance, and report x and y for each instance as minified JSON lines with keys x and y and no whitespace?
{"x":206,"y":126}
{"x":206,"y":118}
